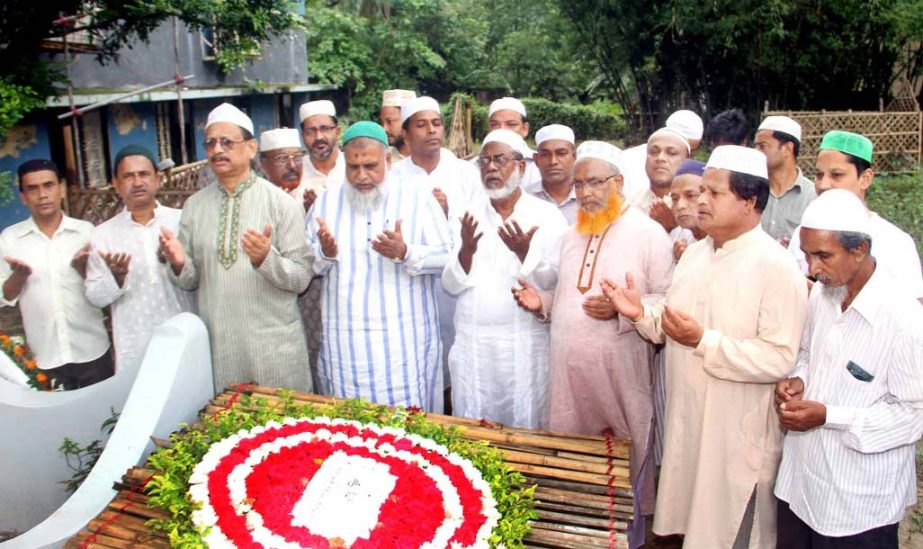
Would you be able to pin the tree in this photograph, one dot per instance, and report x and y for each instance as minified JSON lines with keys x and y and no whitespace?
{"x":26,"y":24}
{"x":796,"y":54}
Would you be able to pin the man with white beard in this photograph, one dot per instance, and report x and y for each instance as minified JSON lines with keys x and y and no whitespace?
{"x":380,"y":247}
{"x":499,"y":361}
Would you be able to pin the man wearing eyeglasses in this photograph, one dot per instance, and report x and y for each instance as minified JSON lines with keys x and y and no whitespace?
{"x":241,"y":243}
{"x":282,"y":161}
{"x":499,"y":361}
{"x":600,"y":366}
{"x":321,"y":133}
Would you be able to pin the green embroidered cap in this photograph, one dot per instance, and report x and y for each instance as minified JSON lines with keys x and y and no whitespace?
{"x":365,"y":128}
{"x":847,"y":142}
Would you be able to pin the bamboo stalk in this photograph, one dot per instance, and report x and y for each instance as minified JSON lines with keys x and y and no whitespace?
{"x":561,"y":463}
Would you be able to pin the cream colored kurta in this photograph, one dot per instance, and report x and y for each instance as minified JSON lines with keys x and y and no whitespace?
{"x":723,"y":437}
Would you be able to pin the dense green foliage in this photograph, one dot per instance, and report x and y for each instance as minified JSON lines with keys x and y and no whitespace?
{"x":795,"y":54}
{"x":169,"y":486}
{"x":436,"y":47}
{"x":899,"y":199}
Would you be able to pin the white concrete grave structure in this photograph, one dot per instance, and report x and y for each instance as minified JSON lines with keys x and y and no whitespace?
{"x":173,"y":383}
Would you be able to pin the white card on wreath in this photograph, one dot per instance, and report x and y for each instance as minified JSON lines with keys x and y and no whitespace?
{"x":344,"y":498}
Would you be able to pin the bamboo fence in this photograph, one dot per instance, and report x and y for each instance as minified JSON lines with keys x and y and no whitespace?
{"x":583,"y":493}
{"x":896,"y":136}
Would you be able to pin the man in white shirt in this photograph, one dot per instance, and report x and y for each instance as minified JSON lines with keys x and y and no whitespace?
{"x":124,"y":269}
{"x":282,"y":161}
{"x":390,"y":118}
{"x":321,"y":133}
{"x":499,"y":360}
{"x":853,"y":406}
{"x":381,"y":245}
{"x":844,"y":161}
{"x":666,"y":150}
{"x":509,"y":113}
{"x":634,"y":159}
{"x":555,"y":160}
{"x":44,"y":263}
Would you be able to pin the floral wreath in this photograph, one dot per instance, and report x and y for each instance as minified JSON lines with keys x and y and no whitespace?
{"x":15,"y":347}
{"x":202,"y":480}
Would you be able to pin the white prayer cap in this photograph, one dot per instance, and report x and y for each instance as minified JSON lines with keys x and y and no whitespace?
{"x":738,"y":159}
{"x":396,"y":98}
{"x":313,"y":108}
{"x":687,"y":123}
{"x":507,"y":104}
{"x":670,"y":132}
{"x":510,"y":138}
{"x":600,"y":150}
{"x":227,"y":112}
{"x":782,"y":124}
{"x":836,"y":210}
{"x":418,"y":104}
{"x":280,"y":138}
{"x":554,"y":131}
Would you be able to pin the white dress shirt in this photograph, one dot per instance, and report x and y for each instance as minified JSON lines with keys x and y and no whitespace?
{"x":147,"y":298}
{"x":458,"y":179}
{"x":61,"y":326}
{"x":856,"y":472}
{"x":317,"y":181}
{"x":893,"y":248}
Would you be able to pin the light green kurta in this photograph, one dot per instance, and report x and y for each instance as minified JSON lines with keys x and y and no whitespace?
{"x":251,"y":313}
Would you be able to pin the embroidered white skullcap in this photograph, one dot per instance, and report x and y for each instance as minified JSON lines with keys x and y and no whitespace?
{"x":687,"y":123}
{"x":313,"y":108}
{"x":738,"y":159}
{"x":280,"y":138}
{"x":670,"y":132}
{"x":419,"y":104}
{"x":227,"y":112}
{"x":782,"y":124}
{"x":836,"y":210}
{"x":600,"y":150}
{"x":510,"y":138}
{"x":554,"y":131}
{"x":396,"y":98}
{"x":507,"y":104}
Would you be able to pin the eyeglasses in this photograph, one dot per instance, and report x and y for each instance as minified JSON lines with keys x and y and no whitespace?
{"x":319,"y":130}
{"x":283,"y":159}
{"x":226,"y":143}
{"x":592,"y":184}
{"x":500,"y":160}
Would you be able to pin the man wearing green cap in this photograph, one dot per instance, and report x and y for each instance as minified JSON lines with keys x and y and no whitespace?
{"x":124,"y":270}
{"x":380,"y":246}
{"x":845,"y":162}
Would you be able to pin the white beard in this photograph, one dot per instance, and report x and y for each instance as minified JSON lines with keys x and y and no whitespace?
{"x":365,"y":201}
{"x":509,"y":187}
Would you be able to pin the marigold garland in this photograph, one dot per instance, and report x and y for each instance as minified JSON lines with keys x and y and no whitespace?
{"x":168,"y":488}
{"x":15,"y":347}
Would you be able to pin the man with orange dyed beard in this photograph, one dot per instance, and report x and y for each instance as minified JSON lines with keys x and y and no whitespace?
{"x":600,"y":375}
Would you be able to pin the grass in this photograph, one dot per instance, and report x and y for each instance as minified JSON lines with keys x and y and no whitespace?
{"x":899,"y":199}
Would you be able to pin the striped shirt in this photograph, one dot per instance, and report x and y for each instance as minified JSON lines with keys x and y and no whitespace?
{"x":856,"y":472}
{"x":380,"y":320}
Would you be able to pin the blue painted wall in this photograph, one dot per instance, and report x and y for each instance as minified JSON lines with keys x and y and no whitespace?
{"x":131,"y":124}
{"x":25,"y":141}
{"x":263,"y":112}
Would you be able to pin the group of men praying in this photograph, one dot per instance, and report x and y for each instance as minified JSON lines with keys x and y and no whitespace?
{"x":758,"y":336}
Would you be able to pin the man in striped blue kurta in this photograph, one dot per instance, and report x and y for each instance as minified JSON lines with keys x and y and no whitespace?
{"x":854,"y":404}
{"x":381,"y":247}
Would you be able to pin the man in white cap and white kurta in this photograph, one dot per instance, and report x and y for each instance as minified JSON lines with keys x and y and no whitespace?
{"x":509,"y":113}
{"x":634,"y":159}
{"x":666,"y":151}
{"x":241,"y":244}
{"x":600,"y":365}
{"x":555,"y":157}
{"x":499,"y":361}
{"x":853,"y":407}
{"x":390,"y":118}
{"x":282,"y":160}
{"x":790,"y":192}
{"x":321,"y":133}
{"x":732,"y":322}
